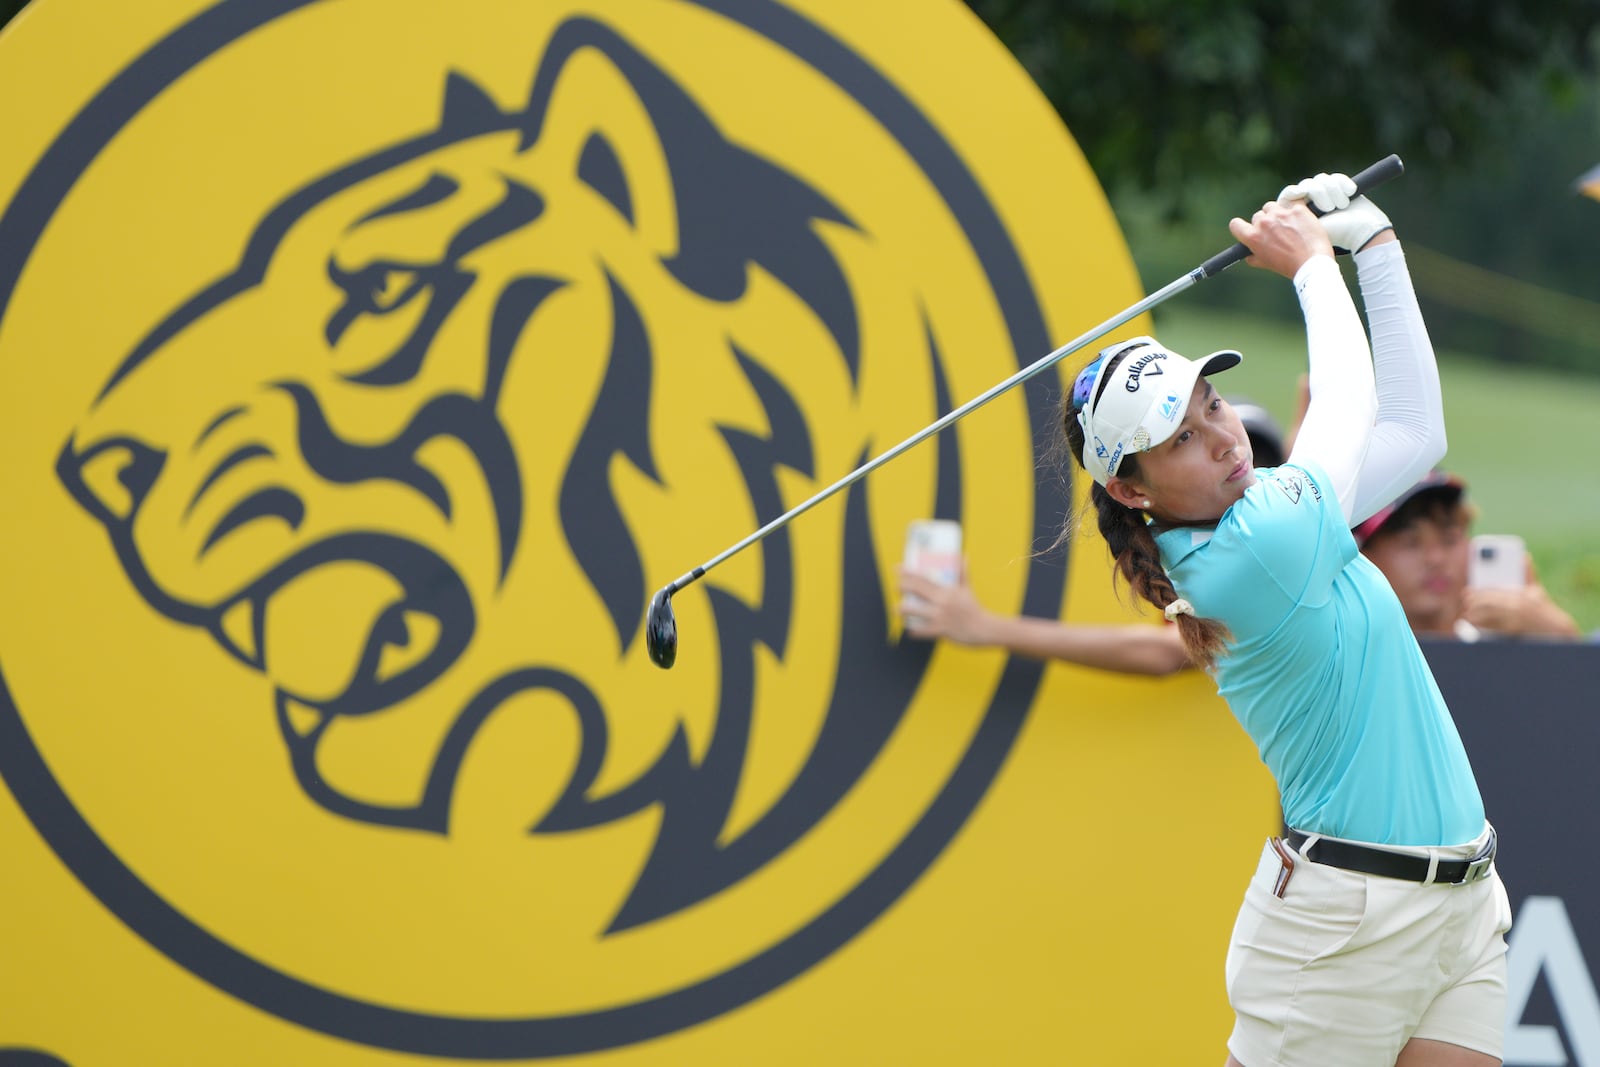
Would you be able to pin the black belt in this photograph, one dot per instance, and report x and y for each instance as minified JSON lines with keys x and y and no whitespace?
{"x":1388,"y":864}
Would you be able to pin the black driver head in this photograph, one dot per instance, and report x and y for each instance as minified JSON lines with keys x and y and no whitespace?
{"x":661,"y":630}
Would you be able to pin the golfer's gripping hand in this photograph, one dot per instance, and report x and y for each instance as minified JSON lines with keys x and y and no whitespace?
{"x":1351,"y":221}
{"x":1282,"y":236}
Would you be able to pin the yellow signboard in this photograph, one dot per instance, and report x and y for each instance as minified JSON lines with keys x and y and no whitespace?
{"x":366,"y":363}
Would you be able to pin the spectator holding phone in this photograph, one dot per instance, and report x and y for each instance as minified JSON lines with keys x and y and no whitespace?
{"x":1449,"y":583}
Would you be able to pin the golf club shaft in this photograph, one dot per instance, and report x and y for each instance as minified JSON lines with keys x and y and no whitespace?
{"x":1370,"y":178}
{"x":932,"y":428}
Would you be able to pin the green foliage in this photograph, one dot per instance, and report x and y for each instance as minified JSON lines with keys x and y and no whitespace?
{"x":1515,"y":214}
{"x":1158,"y":92}
{"x":1193,"y":111}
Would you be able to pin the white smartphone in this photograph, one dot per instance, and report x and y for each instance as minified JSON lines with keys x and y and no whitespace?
{"x":933,"y":549}
{"x":1498,"y":561}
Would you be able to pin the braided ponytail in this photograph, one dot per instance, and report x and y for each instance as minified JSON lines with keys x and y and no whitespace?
{"x":1139,"y":563}
{"x":1133,"y":546}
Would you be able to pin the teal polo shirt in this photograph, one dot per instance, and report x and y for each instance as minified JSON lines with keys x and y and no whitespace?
{"x":1323,"y":671}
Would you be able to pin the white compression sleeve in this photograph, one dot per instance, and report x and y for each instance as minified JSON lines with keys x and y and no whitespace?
{"x":1344,"y":403}
{"x":1409,"y":437}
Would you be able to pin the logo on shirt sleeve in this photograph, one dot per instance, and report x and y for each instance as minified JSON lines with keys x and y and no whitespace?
{"x":1293,"y":484}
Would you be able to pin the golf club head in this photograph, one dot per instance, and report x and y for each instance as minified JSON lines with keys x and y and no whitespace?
{"x":661,"y":630}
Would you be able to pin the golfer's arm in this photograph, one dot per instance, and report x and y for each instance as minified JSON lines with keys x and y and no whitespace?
{"x":1344,"y":402}
{"x":1130,"y":649}
{"x":1409,"y":437}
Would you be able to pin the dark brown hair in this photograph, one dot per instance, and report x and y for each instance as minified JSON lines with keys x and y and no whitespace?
{"x":1132,"y":545}
{"x":1443,"y":506}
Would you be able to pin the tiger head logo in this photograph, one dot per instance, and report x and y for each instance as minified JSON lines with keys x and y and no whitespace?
{"x":403,"y":459}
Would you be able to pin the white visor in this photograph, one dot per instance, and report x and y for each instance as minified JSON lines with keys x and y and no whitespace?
{"x":1140,"y":403}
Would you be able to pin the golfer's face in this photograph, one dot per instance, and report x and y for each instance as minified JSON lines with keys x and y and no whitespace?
{"x":1197,"y":473}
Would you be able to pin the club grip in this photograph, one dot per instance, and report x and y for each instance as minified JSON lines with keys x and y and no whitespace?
{"x":1386,"y":169}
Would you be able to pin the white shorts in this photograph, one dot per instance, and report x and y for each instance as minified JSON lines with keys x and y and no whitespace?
{"x":1346,"y":968}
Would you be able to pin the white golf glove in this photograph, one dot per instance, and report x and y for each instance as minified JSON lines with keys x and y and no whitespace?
{"x":1351,"y":221}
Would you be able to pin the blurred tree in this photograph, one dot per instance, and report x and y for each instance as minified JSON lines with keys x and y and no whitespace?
{"x":1505,"y":254}
{"x":1164,"y":94}
{"x":1192,"y":111}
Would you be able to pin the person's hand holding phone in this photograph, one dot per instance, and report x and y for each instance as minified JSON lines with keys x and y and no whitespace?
{"x":1498,"y":561}
{"x":934,"y":609}
{"x":1503,"y":593}
{"x":933,"y":564}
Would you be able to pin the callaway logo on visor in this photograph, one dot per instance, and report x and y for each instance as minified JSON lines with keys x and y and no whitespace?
{"x":1146,"y":364}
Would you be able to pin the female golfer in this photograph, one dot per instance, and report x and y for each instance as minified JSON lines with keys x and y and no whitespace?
{"x":1373,"y":930}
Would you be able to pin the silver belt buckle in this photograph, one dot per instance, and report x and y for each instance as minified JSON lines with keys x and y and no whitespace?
{"x":1478,"y":866}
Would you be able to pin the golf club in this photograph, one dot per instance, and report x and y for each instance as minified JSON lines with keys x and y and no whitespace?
{"x":661,"y":627}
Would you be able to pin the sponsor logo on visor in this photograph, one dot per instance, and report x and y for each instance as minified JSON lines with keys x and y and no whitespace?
{"x":1146,"y":364}
{"x":1115,"y":461}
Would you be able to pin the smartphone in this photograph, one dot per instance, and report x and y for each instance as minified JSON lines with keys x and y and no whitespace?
{"x":1498,"y":561}
{"x":933,"y":549}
